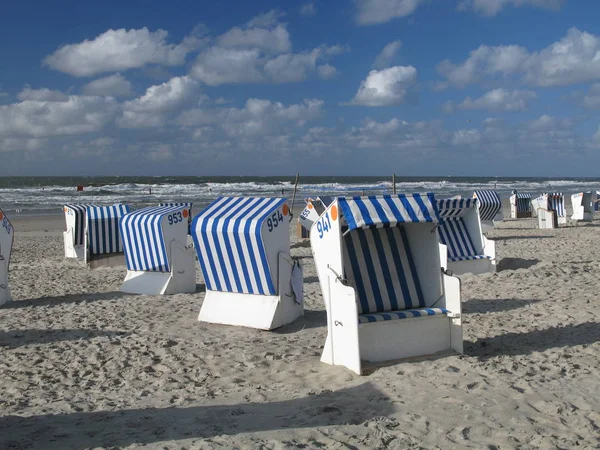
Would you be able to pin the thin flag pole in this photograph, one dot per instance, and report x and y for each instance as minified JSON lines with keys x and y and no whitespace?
{"x":294,"y":196}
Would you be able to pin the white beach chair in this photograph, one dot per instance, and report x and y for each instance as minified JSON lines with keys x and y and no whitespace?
{"x":314,"y":208}
{"x":469,"y":251}
{"x":103,"y":245}
{"x":7,"y":235}
{"x":550,"y":209}
{"x":382,"y":274}
{"x":243,"y":248}
{"x":490,"y":208}
{"x":159,"y":261}
{"x":583,"y":206}
{"x":520,"y":205}
{"x":74,"y":236}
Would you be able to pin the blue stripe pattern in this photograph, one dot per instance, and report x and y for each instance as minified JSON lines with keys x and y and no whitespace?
{"x":406,"y":314}
{"x":228,"y":239}
{"x":143,"y":238}
{"x":79,"y":231}
{"x":453,"y":233}
{"x":453,"y":207}
{"x":379,"y":265}
{"x":556,"y":202}
{"x":388,"y":210}
{"x":489,"y":204}
{"x":523,"y":202}
{"x":103,"y":228}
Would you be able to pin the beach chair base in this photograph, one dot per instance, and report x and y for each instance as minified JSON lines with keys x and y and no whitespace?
{"x":265,"y":312}
{"x":72,"y":251}
{"x":580,"y":216}
{"x":110,"y":260}
{"x":4,"y":290}
{"x":475,"y":266}
{"x":349,"y":343}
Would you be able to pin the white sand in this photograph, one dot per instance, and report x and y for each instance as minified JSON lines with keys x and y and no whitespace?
{"x":84,"y":366}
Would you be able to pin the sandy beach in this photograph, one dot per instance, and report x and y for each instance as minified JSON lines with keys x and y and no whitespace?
{"x":85,"y":366}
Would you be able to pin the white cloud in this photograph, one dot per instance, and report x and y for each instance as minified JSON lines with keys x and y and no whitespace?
{"x":263,"y":32}
{"x":500,"y":100}
{"x":326,"y":71}
{"x":573,"y":59}
{"x":21,"y":144}
{"x":465,"y":137}
{"x":387,"y":55}
{"x":592,"y":99}
{"x":548,"y":123}
{"x":370,"y":12}
{"x":150,"y":109}
{"x":217,"y":65}
{"x":42,"y":95}
{"x":493,"y":7}
{"x":308,"y":9}
{"x":120,"y":50}
{"x":113,"y":85}
{"x":77,"y":115}
{"x":386,"y":87}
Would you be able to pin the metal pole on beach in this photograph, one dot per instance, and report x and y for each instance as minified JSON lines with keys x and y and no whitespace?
{"x":394,"y":184}
{"x":294,"y":196}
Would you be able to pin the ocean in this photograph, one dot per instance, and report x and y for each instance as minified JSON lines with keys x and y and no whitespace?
{"x":46,"y":195}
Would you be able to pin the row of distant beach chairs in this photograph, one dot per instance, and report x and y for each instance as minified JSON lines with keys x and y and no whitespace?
{"x":382,"y":261}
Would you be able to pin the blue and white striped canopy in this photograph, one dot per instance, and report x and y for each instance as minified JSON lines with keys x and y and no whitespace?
{"x":454,"y":207}
{"x":229,"y":244}
{"x":489,"y":204}
{"x":143,"y":239}
{"x":556,"y":202}
{"x":523,"y":195}
{"x":103,"y":228}
{"x":388,"y":210}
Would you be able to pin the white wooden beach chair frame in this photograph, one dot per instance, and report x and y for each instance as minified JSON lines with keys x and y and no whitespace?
{"x":549,"y":217}
{"x":583,"y":206}
{"x":7,"y":234}
{"x":520,"y":206}
{"x":268,"y":220}
{"x":349,"y":342}
{"x":74,"y":214}
{"x":159,"y":260}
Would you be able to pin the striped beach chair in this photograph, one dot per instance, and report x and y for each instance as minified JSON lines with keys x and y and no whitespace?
{"x":6,"y":242}
{"x":583,"y":206}
{"x":243,"y":247}
{"x":550,"y":209}
{"x":74,"y":236}
{"x":469,"y":251}
{"x":520,"y":205}
{"x":159,"y":261}
{"x":383,"y":279}
{"x":490,"y":208}
{"x":103,"y":245}
{"x":188,"y":206}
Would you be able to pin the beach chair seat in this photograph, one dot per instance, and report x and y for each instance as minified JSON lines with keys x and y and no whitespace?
{"x":469,"y":251}
{"x":159,"y":260}
{"x":490,"y":208}
{"x":6,"y":242}
{"x":103,"y":246}
{"x":378,"y":262}
{"x":243,"y":247}
{"x":520,"y":205}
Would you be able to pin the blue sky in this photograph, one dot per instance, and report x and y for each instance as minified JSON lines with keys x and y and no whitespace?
{"x":346,"y":87}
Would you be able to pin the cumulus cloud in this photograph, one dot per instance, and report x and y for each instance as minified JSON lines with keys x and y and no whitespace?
{"x":500,"y":100}
{"x":326,"y":71}
{"x":120,"y":50}
{"x":42,"y":95}
{"x":493,"y":7}
{"x":386,"y":87}
{"x":217,"y":65}
{"x":387,"y":55}
{"x":150,"y":109}
{"x":308,"y":9}
{"x":76,"y":115}
{"x":591,"y":100}
{"x":262,"y":32}
{"x":371,"y":12}
{"x":113,"y":85}
{"x":573,"y":59}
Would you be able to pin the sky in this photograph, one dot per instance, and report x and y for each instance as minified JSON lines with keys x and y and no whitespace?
{"x":344,"y":87}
